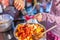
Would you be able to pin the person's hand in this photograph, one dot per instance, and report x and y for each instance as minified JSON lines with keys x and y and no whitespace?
{"x":19,"y":4}
{"x":38,"y":17}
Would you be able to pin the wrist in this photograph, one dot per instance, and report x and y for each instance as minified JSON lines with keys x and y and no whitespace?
{"x":39,"y":17}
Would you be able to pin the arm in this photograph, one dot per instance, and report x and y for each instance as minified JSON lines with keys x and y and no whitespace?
{"x":57,"y":18}
{"x":49,"y":17}
{"x":45,"y":16}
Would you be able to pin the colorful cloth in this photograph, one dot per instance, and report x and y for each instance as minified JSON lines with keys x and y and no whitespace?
{"x":53,"y":19}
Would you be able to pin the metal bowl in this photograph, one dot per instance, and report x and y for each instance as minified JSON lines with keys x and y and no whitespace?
{"x":44,"y":36}
{"x":5,"y":22}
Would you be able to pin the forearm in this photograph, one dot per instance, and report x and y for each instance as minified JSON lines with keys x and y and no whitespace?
{"x":48,"y":17}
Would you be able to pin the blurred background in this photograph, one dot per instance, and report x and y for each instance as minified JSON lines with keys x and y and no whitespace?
{"x":7,"y":6}
{"x":32,"y":7}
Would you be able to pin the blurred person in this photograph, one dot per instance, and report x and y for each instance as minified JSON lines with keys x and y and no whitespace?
{"x":18,"y":4}
{"x":28,"y":6}
{"x":40,"y":1}
{"x":38,"y":8}
{"x":43,"y":5}
{"x":3,"y":5}
{"x":52,"y":19}
{"x":49,"y":3}
{"x":12,"y":6}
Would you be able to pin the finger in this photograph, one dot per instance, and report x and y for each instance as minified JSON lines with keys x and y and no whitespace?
{"x":19,"y":7}
{"x":15,"y":3}
{"x":19,"y":4}
{"x":22,"y":6}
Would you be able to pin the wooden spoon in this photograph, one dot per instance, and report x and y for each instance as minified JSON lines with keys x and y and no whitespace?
{"x":48,"y":30}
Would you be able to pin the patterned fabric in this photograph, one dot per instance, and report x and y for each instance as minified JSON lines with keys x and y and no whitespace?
{"x":53,"y":19}
{"x":51,"y":36}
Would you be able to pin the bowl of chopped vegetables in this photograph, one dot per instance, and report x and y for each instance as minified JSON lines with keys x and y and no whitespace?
{"x":29,"y":31}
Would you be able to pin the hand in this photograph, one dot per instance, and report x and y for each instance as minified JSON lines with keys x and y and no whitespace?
{"x":19,"y":4}
{"x":38,"y":17}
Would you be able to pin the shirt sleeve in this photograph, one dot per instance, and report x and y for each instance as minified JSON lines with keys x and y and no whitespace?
{"x":48,"y":17}
{"x":57,"y":18}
